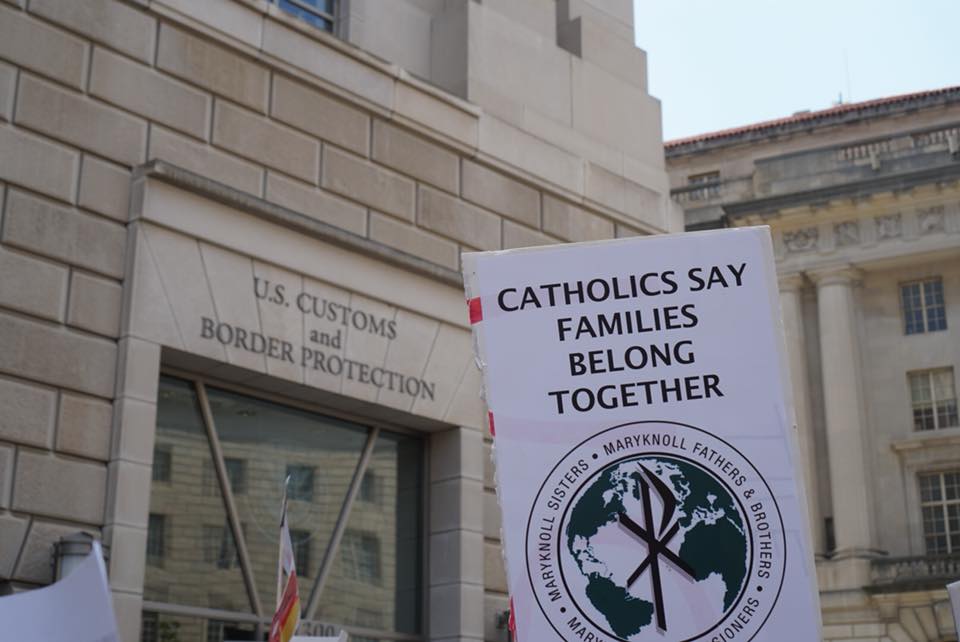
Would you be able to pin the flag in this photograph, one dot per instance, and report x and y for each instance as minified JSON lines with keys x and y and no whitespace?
{"x":287,"y":616}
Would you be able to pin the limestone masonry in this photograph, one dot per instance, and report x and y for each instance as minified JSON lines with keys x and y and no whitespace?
{"x":230,"y":237}
{"x":863,"y":201}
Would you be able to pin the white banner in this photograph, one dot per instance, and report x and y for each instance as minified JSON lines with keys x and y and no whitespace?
{"x":953,"y":590}
{"x":78,"y":608}
{"x":645,"y":440}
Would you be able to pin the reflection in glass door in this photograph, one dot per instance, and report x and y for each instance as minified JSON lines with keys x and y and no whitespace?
{"x":355,"y":510}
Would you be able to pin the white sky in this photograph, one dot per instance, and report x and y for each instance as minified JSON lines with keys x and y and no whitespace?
{"x":716,"y":64}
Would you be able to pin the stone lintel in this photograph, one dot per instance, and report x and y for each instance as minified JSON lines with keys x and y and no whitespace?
{"x":192,"y":182}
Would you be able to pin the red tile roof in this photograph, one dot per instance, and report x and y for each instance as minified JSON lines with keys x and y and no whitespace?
{"x":815,"y":117}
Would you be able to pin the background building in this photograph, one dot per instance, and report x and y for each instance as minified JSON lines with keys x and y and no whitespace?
{"x":864,"y":204}
{"x":230,"y":234}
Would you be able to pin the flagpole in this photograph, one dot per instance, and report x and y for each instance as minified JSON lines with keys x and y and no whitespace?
{"x":283,"y":519}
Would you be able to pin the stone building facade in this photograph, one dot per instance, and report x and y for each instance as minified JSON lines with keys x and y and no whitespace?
{"x":230,"y":234}
{"x":864,"y":204}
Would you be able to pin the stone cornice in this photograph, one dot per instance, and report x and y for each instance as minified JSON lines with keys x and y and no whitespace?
{"x":845,"y":274}
{"x":791,"y":282}
{"x":807,"y":123}
{"x":856,"y":189}
{"x":927,"y":441}
{"x":202,"y":186}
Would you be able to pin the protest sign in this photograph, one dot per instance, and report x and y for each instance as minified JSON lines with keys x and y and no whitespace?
{"x":953,"y":590}
{"x":78,"y":608}
{"x":644,"y":440}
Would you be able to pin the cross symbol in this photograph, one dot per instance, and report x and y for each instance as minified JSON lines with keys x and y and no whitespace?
{"x":656,"y":546}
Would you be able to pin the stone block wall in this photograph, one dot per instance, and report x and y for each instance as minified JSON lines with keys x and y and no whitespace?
{"x":242,"y":94}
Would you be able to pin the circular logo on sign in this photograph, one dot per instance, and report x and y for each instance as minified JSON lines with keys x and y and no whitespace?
{"x":655,"y":530}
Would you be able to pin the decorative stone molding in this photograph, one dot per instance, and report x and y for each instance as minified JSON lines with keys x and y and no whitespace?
{"x":864,"y":151}
{"x":847,"y":233}
{"x":791,"y":282}
{"x":936,"y":137}
{"x":931,"y":441}
{"x":866,"y":237}
{"x":696,"y":193}
{"x":803,"y":240}
{"x":918,"y":453}
{"x":917,"y":572}
{"x":835,"y":274}
{"x":889,"y":226}
{"x":932,"y":220}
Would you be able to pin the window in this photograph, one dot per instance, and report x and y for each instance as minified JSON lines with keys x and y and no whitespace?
{"x":219,"y":547}
{"x":161,"y":464}
{"x":215,"y":631}
{"x":368,"y":487}
{"x":378,"y":565}
{"x":940,"y":503}
{"x":208,"y":480}
{"x":923,"y":306}
{"x":319,"y":13}
{"x":934,"y":399}
{"x":211,"y":543}
{"x":156,"y":538}
{"x":361,"y":556}
{"x":148,"y":627}
{"x":301,"y":482}
{"x":301,"y":551}
{"x":368,"y":619}
{"x":237,"y":474}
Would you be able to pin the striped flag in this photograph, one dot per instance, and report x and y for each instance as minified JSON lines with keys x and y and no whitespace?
{"x":287,"y":616}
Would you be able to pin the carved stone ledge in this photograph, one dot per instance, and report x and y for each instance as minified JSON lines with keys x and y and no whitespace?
{"x":835,"y":274}
{"x":791,"y":282}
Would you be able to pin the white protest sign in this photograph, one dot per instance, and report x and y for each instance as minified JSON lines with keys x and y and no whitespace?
{"x":78,"y":608}
{"x":953,"y":589}
{"x":644,"y":440}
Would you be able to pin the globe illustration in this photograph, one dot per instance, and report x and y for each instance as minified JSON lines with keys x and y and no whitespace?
{"x":656,"y":548}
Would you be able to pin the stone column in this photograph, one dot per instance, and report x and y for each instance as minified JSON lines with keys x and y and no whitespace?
{"x":456,"y":535}
{"x":844,"y":411}
{"x":129,"y":475}
{"x":791,"y":309}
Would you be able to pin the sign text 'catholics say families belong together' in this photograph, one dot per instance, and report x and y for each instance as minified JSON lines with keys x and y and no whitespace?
{"x":644,"y":440}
